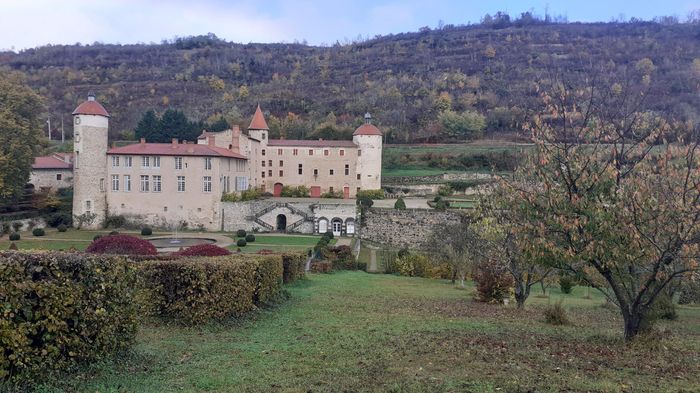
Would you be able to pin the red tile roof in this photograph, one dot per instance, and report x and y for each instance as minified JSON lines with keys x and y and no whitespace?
{"x":258,"y":122}
{"x":169,"y":149}
{"x":91,"y":107}
{"x":50,"y":162}
{"x":367,"y":129}
{"x":309,"y":143}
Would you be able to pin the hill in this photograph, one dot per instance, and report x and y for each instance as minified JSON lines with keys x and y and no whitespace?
{"x":405,"y":80}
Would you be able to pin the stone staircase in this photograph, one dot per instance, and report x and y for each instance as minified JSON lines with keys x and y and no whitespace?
{"x":305,"y":216}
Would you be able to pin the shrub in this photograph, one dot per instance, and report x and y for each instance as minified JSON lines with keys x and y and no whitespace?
{"x":241,"y":242}
{"x":343,"y":258}
{"x":250,"y":238}
{"x":445,"y":190}
{"x":13,"y":246}
{"x":333,"y":195}
{"x":62,"y":228}
{"x":413,"y":265}
{"x":662,"y":308}
{"x":321,"y":267}
{"x":121,"y":245}
{"x":566,"y":284}
{"x":96,"y":237}
{"x":59,"y":218}
{"x":371,"y":194}
{"x":295,"y":192}
{"x":362,"y":266}
{"x":240,"y":233}
{"x":328,"y":235}
{"x":112,"y":233}
{"x":66,"y":308}
{"x":14,"y":236}
{"x":689,"y":292}
{"x":203,"y":250}
{"x":364,"y":201}
{"x":294,"y":266}
{"x":253,"y":193}
{"x":115,"y":221}
{"x":38,"y":232}
{"x":16,"y":226}
{"x":146,"y":231}
{"x":493,"y":283}
{"x":400,"y":204}
{"x":230,"y":197}
{"x":555,"y":314}
{"x":197,"y":290}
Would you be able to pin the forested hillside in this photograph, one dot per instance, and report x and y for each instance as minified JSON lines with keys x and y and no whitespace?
{"x":451,"y":83}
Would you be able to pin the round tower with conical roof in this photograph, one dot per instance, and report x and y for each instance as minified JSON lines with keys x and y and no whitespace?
{"x":368,"y":138}
{"x":90,"y":126}
{"x":258,"y":128}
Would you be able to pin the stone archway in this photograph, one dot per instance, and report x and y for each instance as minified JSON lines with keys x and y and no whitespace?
{"x":281,"y":223}
{"x":337,"y":226}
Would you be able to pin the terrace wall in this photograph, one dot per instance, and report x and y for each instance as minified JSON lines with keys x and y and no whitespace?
{"x":403,"y":228}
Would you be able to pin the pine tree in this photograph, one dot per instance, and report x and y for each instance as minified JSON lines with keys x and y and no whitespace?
{"x":149,"y":127}
{"x":19,"y":134}
{"x":219,"y":125}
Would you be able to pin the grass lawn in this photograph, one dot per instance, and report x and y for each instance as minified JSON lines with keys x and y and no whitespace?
{"x":279,"y":243}
{"x":54,"y":240}
{"x":354,"y":331}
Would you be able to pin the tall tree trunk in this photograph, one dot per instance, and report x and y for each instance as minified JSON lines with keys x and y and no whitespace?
{"x":633,"y":324}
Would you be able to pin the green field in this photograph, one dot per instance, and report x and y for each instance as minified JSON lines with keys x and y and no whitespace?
{"x":356,"y":332}
{"x":279,"y":243}
{"x":400,"y":172}
{"x":482,"y":146}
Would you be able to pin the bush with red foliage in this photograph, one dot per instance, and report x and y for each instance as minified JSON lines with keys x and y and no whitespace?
{"x":493,"y":283}
{"x":121,"y":245}
{"x":203,"y":250}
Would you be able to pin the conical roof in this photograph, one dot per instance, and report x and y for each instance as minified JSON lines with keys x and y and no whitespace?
{"x":91,"y":107}
{"x":258,"y":122}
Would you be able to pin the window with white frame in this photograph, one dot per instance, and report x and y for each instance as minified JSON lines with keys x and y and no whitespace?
{"x":115,"y":161}
{"x":241,"y":183}
{"x":178,"y":162}
{"x":145,"y":162}
{"x":115,"y":182}
{"x":157,"y":183}
{"x":156,"y":162}
{"x":180,"y":184}
{"x":207,"y":184}
{"x":144,"y":183}
{"x":127,"y":161}
{"x":207,"y":163}
{"x":127,"y":182}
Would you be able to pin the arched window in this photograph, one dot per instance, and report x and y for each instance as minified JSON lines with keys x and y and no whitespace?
{"x":322,"y":226}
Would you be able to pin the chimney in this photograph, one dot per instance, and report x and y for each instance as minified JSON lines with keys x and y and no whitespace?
{"x":174,"y":143}
{"x":143,"y":141}
{"x":211,"y":141}
{"x":236,"y":139}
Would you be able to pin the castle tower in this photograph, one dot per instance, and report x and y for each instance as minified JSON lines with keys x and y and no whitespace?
{"x":258,"y":128}
{"x":90,"y":125}
{"x":369,"y":161}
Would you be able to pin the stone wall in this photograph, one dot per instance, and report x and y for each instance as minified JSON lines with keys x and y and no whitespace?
{"x":435,"y":179}
{"x":403,"y":228}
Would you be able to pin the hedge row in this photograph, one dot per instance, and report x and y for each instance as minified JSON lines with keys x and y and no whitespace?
{"x":294,"y":266}
{"x":63,"y":308}
{"x":196,"y":290}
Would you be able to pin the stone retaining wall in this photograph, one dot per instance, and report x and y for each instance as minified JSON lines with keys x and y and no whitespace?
{"x":403,"y":228}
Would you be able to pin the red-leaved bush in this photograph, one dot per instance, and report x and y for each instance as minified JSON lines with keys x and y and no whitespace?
{"x":493,"y":282}
{"x":203,"y":250}
{"x":121,"y":245}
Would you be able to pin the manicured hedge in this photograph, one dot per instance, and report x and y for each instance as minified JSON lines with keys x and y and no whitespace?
{"x":121,"y":245}
{"x":59,"y":309}
{"x":294,"y":266}
{"x":196,"y":290}
{"x":203,"y":250}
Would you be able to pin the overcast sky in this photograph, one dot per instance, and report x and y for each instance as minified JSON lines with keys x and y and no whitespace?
{"x":30,"y":23}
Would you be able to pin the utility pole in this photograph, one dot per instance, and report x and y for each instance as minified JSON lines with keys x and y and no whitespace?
{"x":48,"y":121}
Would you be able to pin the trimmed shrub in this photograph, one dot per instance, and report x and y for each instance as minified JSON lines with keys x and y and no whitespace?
{"x":250,"y":238}
{"x":321,"y":267}
{"x":13,"y":246}
{"x":14,"y":236}
{"x":115,"y":222}
{"x":197,"y":290}
{"x":413,"y":265}
{"x":294,"y":266}
{"x":241,"y":242}
{"x":343,"y":258}
{"x":203,"y":250}
{"x":62,"y":228}
{"x":241,"y":233}
{"x":59,"y":218}
{"x":566,"y":284}
{"x":63,"y":308}
{"x":555,"y":314}
{"x":38,"y":232}
{"x":400,"y":204}
{"x":493,"y":283}
{"x":96,"y":237}
{"x":121,"y":245}
{"x":371,"y":194}
{"x":146,"y":231}
{"x":364,"y":201}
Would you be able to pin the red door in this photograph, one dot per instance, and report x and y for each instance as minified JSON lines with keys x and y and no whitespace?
{"x":346,"y":192}
{"x":315,"y":192}
{"x":278,"y":190}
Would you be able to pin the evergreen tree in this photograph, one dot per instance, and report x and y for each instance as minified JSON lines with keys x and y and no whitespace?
{"x":20,"y":107}
{"x":219,"y":125}
{"x":174,"y":124}
{"x":149,"y":127}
